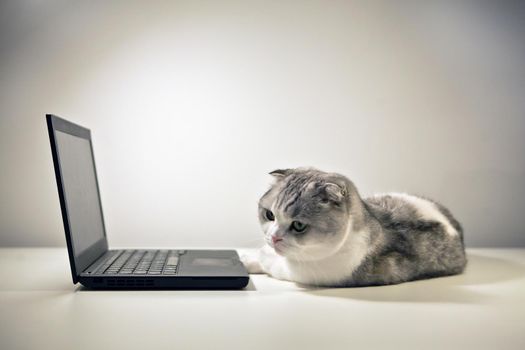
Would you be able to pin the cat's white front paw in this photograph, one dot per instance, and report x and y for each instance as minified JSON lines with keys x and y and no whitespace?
{"x":279,"y":269}
{"x":273,"y":264}
{"x":252,"y":263}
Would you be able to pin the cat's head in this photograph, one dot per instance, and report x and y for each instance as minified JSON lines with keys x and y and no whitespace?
{"x":306,"y":214}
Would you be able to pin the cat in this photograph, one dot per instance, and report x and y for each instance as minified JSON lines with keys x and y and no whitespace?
{"x":320,"y":232}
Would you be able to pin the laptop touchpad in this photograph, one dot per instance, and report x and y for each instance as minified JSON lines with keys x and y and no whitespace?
{"x":211,"y":262}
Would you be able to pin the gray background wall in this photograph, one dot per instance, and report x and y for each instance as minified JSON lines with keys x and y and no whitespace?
{"x":192,"y":103}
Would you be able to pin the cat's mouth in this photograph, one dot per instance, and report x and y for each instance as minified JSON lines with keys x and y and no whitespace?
{"x":280,"y":247}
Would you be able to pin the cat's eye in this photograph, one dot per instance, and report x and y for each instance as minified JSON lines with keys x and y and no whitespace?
{"x":298,"y":226}
{"x":269,"y":215}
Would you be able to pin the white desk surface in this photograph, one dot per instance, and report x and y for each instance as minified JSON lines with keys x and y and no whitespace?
{"x":484,"y":308}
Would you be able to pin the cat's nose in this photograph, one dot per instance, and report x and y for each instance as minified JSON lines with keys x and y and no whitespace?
{"x":276,"y":239}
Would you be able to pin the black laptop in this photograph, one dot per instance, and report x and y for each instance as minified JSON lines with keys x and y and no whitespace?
{"x":96,"y":266}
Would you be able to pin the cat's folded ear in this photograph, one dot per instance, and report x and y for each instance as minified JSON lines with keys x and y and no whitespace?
{"x":280,"y":173}
{"x":335,"y":192}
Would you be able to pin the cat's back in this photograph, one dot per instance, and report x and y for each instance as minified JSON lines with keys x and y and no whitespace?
{"x":402,"y":209}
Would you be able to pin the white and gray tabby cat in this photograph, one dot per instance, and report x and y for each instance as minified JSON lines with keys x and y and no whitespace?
{"x":320,"y":232}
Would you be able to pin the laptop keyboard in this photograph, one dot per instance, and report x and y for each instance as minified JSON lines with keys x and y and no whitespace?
{"x":142,"y":262}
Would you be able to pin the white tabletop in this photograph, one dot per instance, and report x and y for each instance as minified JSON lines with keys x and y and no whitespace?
{"x":484,"y":308}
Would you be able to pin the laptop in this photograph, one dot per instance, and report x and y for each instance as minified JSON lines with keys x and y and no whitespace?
{"x":96,"y":266}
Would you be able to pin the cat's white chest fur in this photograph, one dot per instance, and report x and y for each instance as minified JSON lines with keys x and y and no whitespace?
{"x":332,"y":270}
{"x":335,"y":269}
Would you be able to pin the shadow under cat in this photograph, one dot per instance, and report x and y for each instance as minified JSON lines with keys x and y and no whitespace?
{"x":481,"y":270}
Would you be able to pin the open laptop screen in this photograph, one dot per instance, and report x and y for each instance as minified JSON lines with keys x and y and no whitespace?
{"x":80,"y":190}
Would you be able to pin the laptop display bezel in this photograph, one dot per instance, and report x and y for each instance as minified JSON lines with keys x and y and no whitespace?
{"x":78,"y":262}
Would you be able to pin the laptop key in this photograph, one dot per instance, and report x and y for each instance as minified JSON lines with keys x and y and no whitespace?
{"x":172,"y":261}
